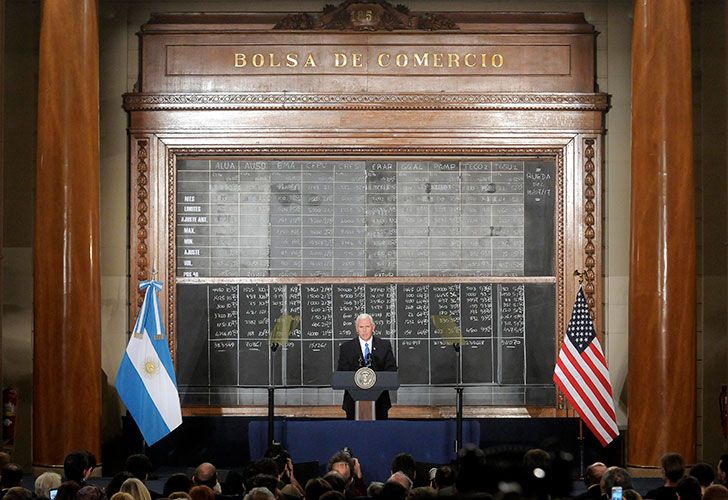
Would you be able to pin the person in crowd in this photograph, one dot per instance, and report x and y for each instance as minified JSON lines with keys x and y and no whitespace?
{"x":401,"y":478}
{"x":5,"y":459}
{"x":392,"y":490}
{"x":136,"y":489}
{"x":615,"y":476}
{"x":405,"y":463}
{"x":290,"y":492}
{"x":260,"y":493}
{"x":688,"y":488}
{"x":673,"y":469}
{"x":592,"y":481}
{"x":267,"y":481}
{"x":78,"y":466}
{"x":715,"y":492}
{"x":119,"y":495}
{"x":234,"y":485}
{"x":336,"y":480}
{"x":179,"y":495}
{"x":67,"y":490}
{"x":444,"y":480}
{"x":723,"y":470}
{"x":45,"y":483}
{"x":206,"y":475}
{"x":472,"y":474}
{"x":703,"y":473}
{"x":90,"y":492}
{"x":349,"y":468}
{"x":629,"y":494}
{"x":116,"y":481}
{"x":422,"y":493}
{"x":11,"y":476}
{"x":202,"y":492}
{"x":333,"y":495}
{"x":264,"y":466}
{"x":371,"y":351}
{"x":315,"y":488}
{"x":374,"y":489}
{"x":284,"y":464}
{"x":141,"y":468}
{"x":18,"y":493}
{"x":537,"y":477}
{"x":177,"y":482}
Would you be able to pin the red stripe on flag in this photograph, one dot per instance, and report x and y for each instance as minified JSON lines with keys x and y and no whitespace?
{"x":587,"y":377}
{"x":588,"y":401}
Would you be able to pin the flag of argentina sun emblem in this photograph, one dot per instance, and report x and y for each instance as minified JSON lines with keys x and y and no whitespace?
{"x":365,"y":378}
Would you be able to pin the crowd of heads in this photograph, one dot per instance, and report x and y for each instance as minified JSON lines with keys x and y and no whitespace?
{"x":508,"y":473}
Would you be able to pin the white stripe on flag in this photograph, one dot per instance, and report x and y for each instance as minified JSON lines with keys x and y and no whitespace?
{"x":591,"y":376}
{"x":590,"y":395}
{"x":581,"y":407}
{"x":159,"y":385}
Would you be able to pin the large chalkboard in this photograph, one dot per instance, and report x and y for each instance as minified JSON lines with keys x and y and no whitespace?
{"x":460,"y":217}
{"x":505,"y":333}
{"x":265,"y":220}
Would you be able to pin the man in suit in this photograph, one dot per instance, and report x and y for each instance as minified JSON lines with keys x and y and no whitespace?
{"x":371,"y":351}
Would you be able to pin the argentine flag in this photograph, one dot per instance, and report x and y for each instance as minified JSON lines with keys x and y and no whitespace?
{"x":145,"y":380}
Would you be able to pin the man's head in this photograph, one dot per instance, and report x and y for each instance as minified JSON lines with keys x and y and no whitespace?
{"x":404,"y":462}
{"x":342,"y":463}
{"x":205,"y":475}
{"x":715,"y":492}
{"x":365,"y":326}
{"x":688,"y":488}
{"x":673,"y":467}
{"x":78,"y":465}
{"x":615,"y":476}
{"x":139,"y":465}
{"x":11,"y":475}
{"x":704,"y":473}
{"x":401,"y":478}
{"x":594,"y":474}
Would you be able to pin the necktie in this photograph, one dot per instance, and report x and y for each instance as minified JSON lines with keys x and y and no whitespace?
{"x":366,"y":354}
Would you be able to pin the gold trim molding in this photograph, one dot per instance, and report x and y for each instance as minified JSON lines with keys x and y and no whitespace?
{"x":298,"y":101}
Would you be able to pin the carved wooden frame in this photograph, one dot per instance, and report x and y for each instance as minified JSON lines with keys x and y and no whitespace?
{"x":168,"y":155}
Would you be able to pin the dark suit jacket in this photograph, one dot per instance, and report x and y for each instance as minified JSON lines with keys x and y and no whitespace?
{"x":382,"y":360}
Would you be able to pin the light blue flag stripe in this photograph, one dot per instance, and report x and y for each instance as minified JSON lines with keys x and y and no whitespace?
{"x":139,"y":403}
{"x":148,"y":391}
{"x":149,"y":321}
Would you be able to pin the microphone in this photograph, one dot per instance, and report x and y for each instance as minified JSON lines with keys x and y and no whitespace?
{"x":361,"y":361}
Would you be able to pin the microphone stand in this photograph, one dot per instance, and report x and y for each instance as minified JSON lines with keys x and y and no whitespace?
{"x":458,"y":402}
{"x":271,"y":394}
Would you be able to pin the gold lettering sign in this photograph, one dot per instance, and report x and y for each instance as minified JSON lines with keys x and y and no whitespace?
{"x":383,"y":59}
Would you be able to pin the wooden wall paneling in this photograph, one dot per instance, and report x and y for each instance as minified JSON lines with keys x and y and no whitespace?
{"x":336,"y":113}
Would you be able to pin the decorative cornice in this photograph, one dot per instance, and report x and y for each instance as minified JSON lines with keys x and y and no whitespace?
{"x":361,"y":150}
{"x":366,"y":15}
{"x":297,"y":101}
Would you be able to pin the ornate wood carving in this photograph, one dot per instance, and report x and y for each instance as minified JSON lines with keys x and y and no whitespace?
{"x":366,"y":15}
{"x":589,"y":222}
{"x":171,"y":256}
{"x":288,"y":101}
{"x":142,"y":214}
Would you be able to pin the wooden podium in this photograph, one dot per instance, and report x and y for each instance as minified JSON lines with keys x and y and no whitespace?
{"x":364,"y":399}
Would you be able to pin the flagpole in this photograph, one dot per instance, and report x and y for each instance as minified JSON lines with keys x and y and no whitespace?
{"x":581,"y":275}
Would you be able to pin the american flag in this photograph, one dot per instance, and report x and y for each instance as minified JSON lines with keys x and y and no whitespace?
{"x":581,"y":374}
